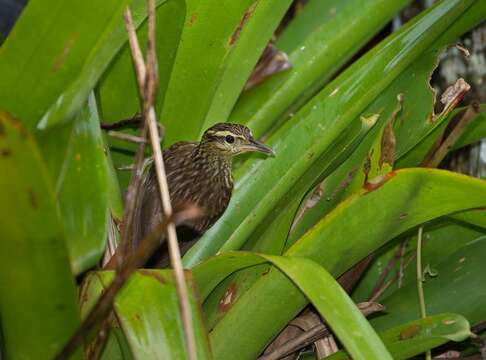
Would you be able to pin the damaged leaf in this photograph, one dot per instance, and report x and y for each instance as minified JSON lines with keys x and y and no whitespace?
{"x":271,"y":62}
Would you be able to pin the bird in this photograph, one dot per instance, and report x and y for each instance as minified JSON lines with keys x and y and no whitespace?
{"x":198,"y":173}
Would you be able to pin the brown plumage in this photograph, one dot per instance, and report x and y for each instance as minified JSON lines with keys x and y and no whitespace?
{"x":198,"y":173}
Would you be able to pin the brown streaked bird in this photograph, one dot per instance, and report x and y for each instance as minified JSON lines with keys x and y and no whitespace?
{"x":198,"y":173}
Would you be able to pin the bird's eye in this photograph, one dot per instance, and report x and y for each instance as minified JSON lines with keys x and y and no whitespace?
{"x":229,"y":139}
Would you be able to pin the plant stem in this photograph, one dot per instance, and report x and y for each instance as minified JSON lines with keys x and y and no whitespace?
{"x":420,"y":280}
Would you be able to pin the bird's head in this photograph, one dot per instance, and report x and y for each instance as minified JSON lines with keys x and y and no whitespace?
{"x":232,"y":139}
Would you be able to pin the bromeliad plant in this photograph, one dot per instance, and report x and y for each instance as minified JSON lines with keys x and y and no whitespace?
{"x":353,"y":176}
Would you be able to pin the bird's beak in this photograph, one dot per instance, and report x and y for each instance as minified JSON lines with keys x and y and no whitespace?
{"x":254,"y":145}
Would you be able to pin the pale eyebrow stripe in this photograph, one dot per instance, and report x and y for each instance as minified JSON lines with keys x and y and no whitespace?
{"x":224,"y":133}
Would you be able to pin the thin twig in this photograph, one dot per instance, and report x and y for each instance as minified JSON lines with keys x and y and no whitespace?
{"x":126,"y":137}
{"x":147,"y":88}
{"x":312,"y":335}
{"x":98,"y":345}
{"x":317,"y":332}
{"x":126,"y":242}
{"x":132,"y":123}
{"x":420,"y":282}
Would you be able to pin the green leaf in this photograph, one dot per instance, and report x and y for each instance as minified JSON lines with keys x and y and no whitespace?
{"x":442,"y":238}
{"x":449,"y":291}
{"x":100,"y":58}
{"x":320,"y":288}
{"x":147,"y":309}
{"x":58,"y":63}
{"x":416,"y":337}
{"x":358,"y":226}
{"x":38,"y":304}
{"x":117,"y":91}
{"x":220,"y":45}
{"x":315,"y":129}
{"x":309,"y":18}
{"x":412,"y":123}
{"x":314,"y":61}
{"x":475,"y":131}
{"x":75,"y":156}
{"x":475,"y":217}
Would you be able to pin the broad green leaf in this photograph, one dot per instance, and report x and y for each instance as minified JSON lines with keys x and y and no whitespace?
{"x":211,"y":272}
{"x":475,"y":217}
{"x":55,"y":54}
{"x":147,"y":309}
{"x":75,"y":156}
{"x":100,"y":58}
{"x":416,"y":337}
{"x":475,"y":131}
{"x":117,"y":91}
{"x":220,"y":45}
{"x":116,"y":347}
{"x":441,"y":239}
{"x":314,"y":61}
{"x":457,"y":274}
{"x":300,"y":144}
{"x":38,"y":304}
{"x":347,"y":178}
{"x":114,"y":192}
{"x":416,"y":155}
{"x":320,"y":288}
{"x":417,"y":105}
{"x":307,"y":20}
{"x":358,"y":226}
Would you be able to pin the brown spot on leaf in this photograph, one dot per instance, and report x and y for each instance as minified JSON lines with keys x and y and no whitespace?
{"x":344,"y":184}
{"x":32,"y":198}
{"x":83,"y":296}
{"x":77,"y":157}
{"x":388,"y":139}
{"x":192,"y":19}
{"x":403,"y":216}
{"x":61,"y":57}
{"x":388,"y":144}
{"x":5,"y":152}
{"x":410,"y":332}
{"x":378,"y":181}
{"x":367,"y":166}
{"x":154,"y":274}
{"x":227,"y":300}
{"x":244,"y":19}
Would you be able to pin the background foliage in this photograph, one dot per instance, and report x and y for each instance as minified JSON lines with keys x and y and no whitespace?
{"x":353,"y":123}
